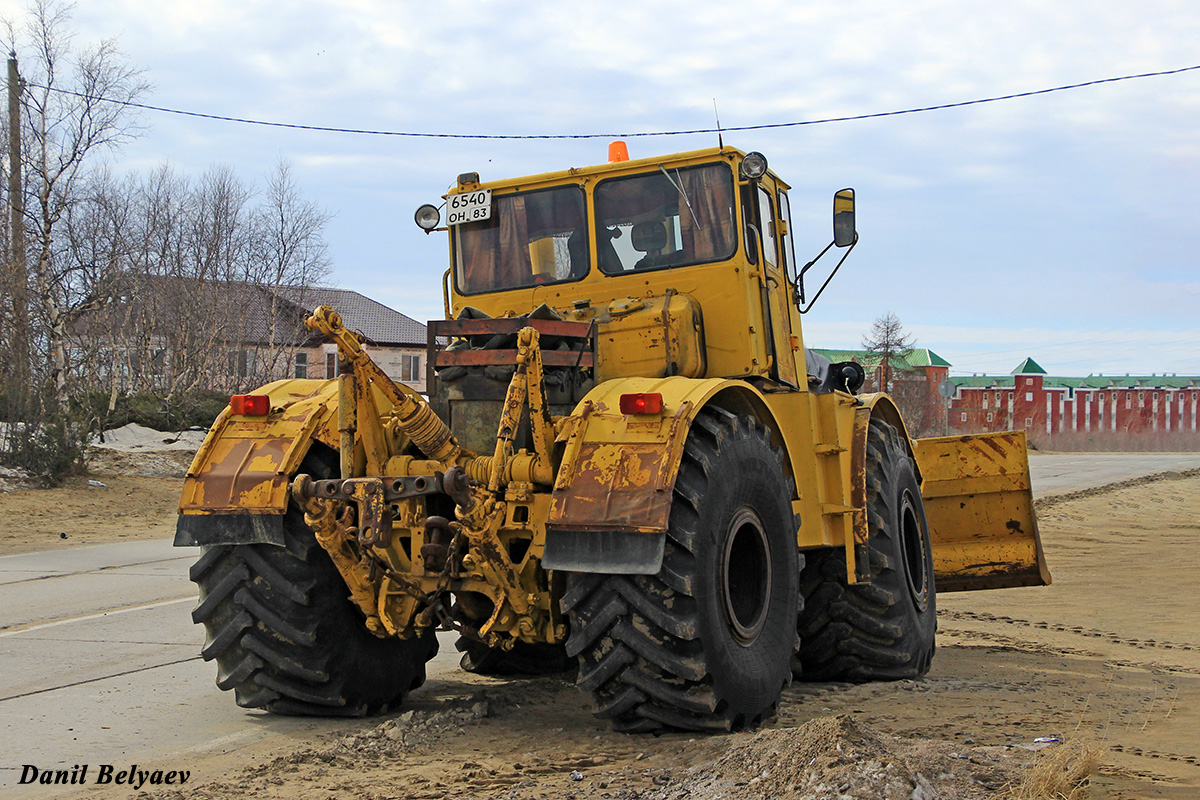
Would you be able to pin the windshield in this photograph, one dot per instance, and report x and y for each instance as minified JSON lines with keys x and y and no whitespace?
{"x":532,"y":238}
{"x":667,"y":218}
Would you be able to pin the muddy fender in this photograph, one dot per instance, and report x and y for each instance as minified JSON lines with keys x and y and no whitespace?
{"x":236,"y":489}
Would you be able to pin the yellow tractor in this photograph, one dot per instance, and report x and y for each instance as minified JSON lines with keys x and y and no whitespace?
{"x":629,"y":463}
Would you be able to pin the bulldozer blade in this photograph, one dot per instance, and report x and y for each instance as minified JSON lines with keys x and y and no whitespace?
{"x":979,"y":506}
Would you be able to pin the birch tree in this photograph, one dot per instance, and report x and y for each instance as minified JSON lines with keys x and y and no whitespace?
{"x":291,"y":256}
{"x":74,"y":110}
{"x":888,"y":342}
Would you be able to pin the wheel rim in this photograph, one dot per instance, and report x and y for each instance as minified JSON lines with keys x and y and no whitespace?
{"x":913,"y":543}
{"x":746,"y":576}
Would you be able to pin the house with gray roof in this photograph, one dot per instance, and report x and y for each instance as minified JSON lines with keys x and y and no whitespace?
{"x":164,"y":333}
{"x":395,"y":341}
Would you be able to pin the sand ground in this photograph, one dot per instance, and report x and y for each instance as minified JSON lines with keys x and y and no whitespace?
{"x":1108,"y":657}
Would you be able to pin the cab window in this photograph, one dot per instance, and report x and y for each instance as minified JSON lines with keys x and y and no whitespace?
{"x":532,"y":238}
{"x":668,"y":218}
{"x":788,"y":243}
{"x":767,"y":227}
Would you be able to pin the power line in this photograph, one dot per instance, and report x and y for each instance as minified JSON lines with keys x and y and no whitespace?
{"x":627,"y":135}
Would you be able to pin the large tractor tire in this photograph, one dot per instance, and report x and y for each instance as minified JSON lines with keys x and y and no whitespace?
{"x":287,"y":638}
{"x":882,"y":630}
{"x":705,"y":644}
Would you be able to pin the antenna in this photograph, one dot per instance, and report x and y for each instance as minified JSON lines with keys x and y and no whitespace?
{"x":720,"y":139}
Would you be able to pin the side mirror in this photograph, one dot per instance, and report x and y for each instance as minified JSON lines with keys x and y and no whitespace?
{"x":844,"y":233}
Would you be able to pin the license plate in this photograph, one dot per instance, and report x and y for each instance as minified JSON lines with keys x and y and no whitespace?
{"x":469,"y":207}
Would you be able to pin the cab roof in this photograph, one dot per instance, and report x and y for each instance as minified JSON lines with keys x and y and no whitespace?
{"x":611,"y":168}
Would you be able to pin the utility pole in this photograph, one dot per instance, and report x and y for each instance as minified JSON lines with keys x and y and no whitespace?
{"x":17,"y":276}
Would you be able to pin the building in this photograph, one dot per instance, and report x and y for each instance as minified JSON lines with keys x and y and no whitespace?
{"x":163,"y":334}
{"x":915,"y":379}
{"x":1028,"y":399}
{"x":1115,"y":409}
{"x":396,"y":342}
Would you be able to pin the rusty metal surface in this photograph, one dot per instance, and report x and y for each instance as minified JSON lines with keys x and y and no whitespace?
{"x":411,"y":411}
{"x":858,"y":562}
{"x":246,"y":462}
{"x":618,"y":471}
{"x":472,"y":358}
{"x":394,"y":487}
{"x":335,"y":533}
{"x":614,"y":487}
{"x":980,"y":511}
{"x":500,"y":325}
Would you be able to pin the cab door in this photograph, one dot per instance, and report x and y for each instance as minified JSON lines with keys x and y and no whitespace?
{"x":776,"y":299}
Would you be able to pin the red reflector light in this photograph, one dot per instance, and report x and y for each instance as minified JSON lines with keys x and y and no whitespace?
{"x":251,"y":405}
{"x":641,"y":403}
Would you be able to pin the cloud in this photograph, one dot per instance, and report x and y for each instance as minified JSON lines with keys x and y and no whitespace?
{"x":1069,"y":211}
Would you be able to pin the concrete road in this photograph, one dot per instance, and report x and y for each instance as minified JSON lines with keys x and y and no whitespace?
{"x":1060,"y":473}
{"x":99,"y":659}
{"x":100,"y":664}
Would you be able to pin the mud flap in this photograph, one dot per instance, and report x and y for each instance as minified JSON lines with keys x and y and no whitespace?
{"x":979,"y":505}
{"x":611,"y":552}
{"x":208,"y":530}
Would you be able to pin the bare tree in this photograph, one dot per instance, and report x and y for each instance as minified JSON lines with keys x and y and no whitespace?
{"x":154,"y":284}
{"x":74,"y":109}
{"x":211,"y":289}
{"x":291,"y":256}
{"x":890,"y":347}
{"x":888,"y":342}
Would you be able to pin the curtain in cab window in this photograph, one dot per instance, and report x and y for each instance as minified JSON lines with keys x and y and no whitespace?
{"x":708,"y":226}
{"x":531,"y":238}
{"x":690,"y":212}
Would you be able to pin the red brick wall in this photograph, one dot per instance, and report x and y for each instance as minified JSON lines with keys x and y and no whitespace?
{"x":1051,"y":410}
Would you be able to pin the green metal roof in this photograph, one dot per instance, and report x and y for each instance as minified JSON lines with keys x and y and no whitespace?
{"x":924,"y":357}
{"x":1089,"y":382}
{"x":978,"y":381}
{"x":1138,"y":381}
{"x":918,"y":357}
{"x":1029,"y":367}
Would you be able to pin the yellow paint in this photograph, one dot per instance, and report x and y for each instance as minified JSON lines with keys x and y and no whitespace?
{"x":245,"y":463}
{"x":694,"y":334}
{"x":657,"y":336}
{"x":979,"y":505}
{"x":725,"y":293}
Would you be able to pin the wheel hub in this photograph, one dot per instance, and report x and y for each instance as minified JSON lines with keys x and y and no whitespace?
{"x":913,"y":545}
{"x":746,"y":576}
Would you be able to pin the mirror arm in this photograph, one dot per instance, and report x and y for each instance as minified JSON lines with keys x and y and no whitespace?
{"x":817,"y":296}
{"x":798,"y":299}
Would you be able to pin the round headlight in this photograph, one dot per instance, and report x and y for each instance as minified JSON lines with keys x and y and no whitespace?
{"x":754,"y":166}
{"x":428,"y":217}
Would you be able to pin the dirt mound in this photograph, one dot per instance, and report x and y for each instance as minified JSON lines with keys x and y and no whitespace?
{"x":137,"y":450}
{"x":146,"y":463}
{"x":389,"y":743}
{"x":447,"y":752}
{"x":838,"y":757}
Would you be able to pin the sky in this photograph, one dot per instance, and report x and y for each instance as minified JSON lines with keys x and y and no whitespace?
{"x":1060,"y":226}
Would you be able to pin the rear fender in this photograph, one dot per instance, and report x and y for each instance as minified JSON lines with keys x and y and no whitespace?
{"x":242,"y":470}
{"x":612,"y":494}
{"x":979,"y":505}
